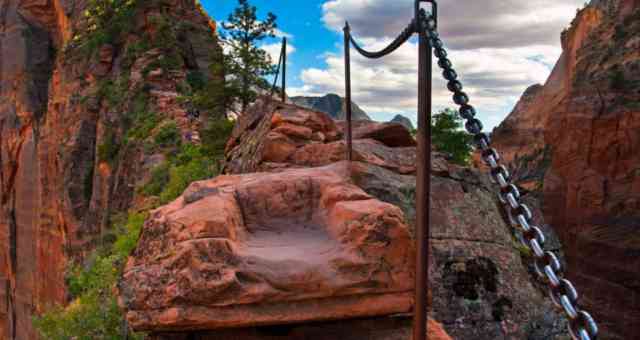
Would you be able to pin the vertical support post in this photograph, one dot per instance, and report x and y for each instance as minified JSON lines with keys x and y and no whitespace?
{"x":347,"y":86}
{"x":423,"y":178}
{"x":284,"y":69}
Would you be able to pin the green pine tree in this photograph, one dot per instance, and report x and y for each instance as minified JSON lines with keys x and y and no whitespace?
{"x":449,"y":136}
{"x":246,"y":64}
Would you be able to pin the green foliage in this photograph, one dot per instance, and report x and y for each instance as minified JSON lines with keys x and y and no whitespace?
{"x":94,"y":312}
{"x":449,"y":137}
{"x":245,"y":63}
{"x":106,"y":22}
{"x":169,"y":135}
{"x":159,"y":179}
{"x":191,"y":164}
{"x":113,"y":92}
{"x":196,"y":80}
{"x":215,"y":135}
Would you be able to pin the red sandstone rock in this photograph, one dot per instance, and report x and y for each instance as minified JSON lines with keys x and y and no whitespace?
{"x":390,"y":134}
{"x":587,"y":125}
{"x":258,"y":249}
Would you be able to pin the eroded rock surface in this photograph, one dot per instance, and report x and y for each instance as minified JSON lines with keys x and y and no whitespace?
{"x":255,"y":249}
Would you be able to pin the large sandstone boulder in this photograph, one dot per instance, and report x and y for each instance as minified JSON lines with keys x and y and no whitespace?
{"x":259,"y":249}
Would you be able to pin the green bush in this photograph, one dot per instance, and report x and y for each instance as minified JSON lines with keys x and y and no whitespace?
{"x":159,"y":179}
{"x":144,"y":123}
{"x":106,"y":22}
{"x":191,"y":164}
{"x":169,"y":135}
{"x":94,"y":312}
{"x":215,"y":135}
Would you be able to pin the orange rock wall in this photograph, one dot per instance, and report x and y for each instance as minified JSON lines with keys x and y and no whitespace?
{"x":588,"y":117}
{"x":55,"y":195}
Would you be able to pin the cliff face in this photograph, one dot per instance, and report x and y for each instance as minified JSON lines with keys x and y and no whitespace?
{"x":576,"y":141}
{"x":65,"y":110}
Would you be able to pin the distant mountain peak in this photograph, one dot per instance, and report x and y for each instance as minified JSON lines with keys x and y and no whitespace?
{"x":331,"y":104}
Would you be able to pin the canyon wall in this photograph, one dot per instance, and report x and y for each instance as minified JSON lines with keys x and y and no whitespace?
{"x":575,"y":142}
{"x":64,"y":112}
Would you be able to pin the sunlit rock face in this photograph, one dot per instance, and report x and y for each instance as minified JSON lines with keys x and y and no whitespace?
{"x":574,"y":141}
{"x":55,"y":194}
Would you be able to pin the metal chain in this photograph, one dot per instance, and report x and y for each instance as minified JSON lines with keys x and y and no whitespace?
{"x":547,"y":267}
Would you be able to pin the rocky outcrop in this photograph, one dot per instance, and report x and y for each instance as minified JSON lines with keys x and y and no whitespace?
{"x":65,"y":109}
{"x":331,"y":104}
{"x":481,"y":286}
{"x":574,"y":141}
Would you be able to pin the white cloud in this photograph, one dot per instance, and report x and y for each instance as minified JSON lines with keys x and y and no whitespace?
{"x":274,"y":49}
{"x":498,"y":47}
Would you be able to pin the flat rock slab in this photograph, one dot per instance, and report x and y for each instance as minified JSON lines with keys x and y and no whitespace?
{"x":269,"y":248}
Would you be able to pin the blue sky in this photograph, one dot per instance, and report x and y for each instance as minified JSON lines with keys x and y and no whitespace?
{"x":301,"y":19}
{"x":499,"y":47}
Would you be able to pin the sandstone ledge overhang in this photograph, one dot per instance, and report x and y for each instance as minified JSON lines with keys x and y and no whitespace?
{"x":269,"y":248}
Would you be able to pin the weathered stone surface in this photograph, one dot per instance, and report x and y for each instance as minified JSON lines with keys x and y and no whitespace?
{"x":574,"y":142}
{"x":258,"y":249}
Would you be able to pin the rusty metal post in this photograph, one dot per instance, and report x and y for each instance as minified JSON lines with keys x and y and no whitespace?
{"x":423,"y":179}
{"x":347,"y":86}
{"x":284,"y":69}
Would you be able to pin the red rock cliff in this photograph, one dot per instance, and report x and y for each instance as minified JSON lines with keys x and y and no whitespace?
{"x":56,"y":189}
{"x":576,"y":140}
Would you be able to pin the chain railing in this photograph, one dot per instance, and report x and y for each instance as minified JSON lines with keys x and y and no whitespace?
{"x":547,"y":266}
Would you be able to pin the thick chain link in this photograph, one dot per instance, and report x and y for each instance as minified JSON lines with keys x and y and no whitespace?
{"x":547,"y":267}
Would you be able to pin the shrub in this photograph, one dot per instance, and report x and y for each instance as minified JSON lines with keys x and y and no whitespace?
{"x":106,"y":21}
{"x":215,"y":135}
{"x":94,"y":312}
{"x":191,"y":164}
{"x":169,"y":135}
{"x":159,"y":179}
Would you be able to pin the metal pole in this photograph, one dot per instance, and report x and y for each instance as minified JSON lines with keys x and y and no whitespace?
{"x":423,"y":185}
{"x":347,"y":86}
{"x":284,"y":69}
